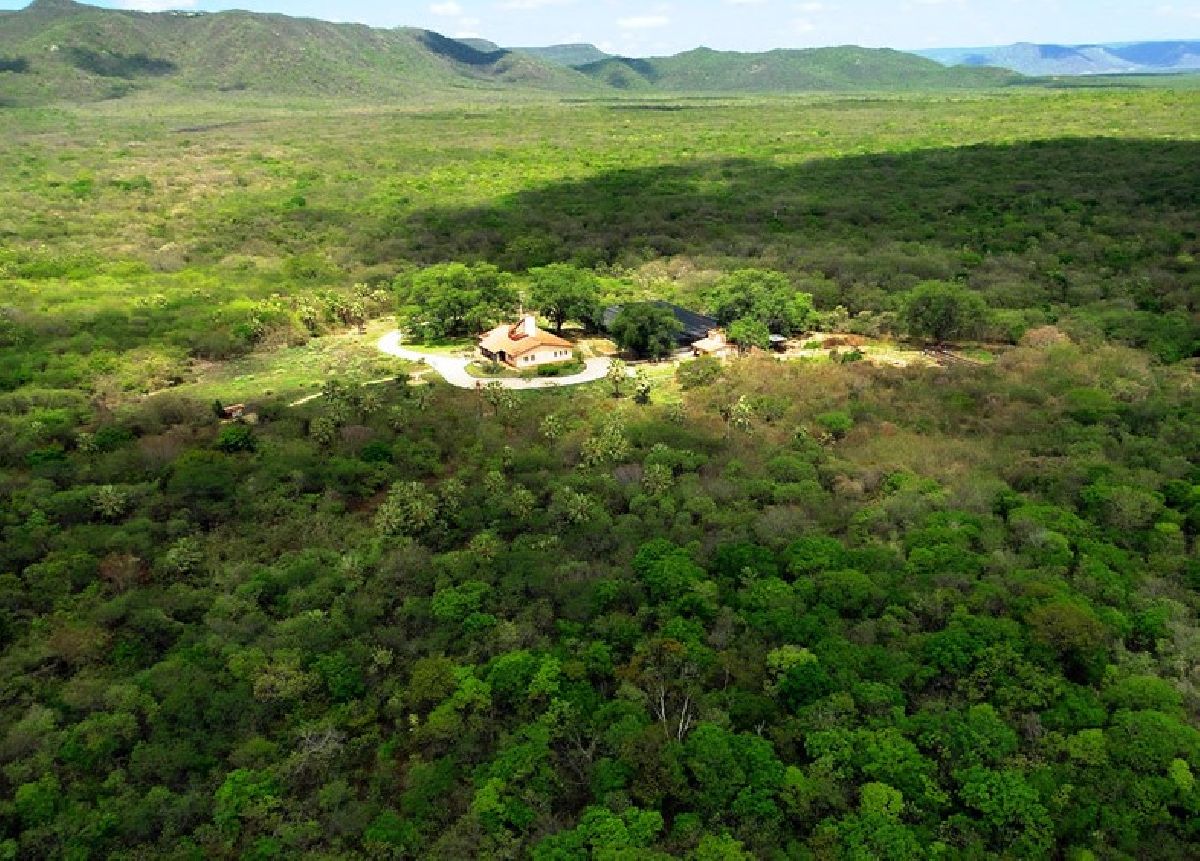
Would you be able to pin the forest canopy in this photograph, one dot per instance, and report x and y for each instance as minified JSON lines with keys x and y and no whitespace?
{"x":268,"y":592}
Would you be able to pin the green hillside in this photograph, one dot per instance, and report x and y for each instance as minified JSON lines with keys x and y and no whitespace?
{"x":817,"y":69}
{"x":567,"y":55}
{"x":60,"y":50}
{"x":64,"y":50}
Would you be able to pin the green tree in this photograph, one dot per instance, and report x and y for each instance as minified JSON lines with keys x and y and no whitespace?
{"x":941,"y":311}
{"x":616,"y":376}
{"x":609,"y":444}
{"x":453,"y":299}
{"x":748,"y":332}
{"x":236,"y":437}
{"x":564,"y":292}
{"x":738,"y":416}
{"x":737,"y":778}
{"x":110,"y":501}
{"x":603,"y":834}
{"x":766,"y":297}
{"x":876,"y":832}
{"x":1068,"y":626}
{"x":836,"y":423}
{"x":37,"y":802}
{"x":245,"y":794}
{"x":641,"y":388}
{"x":551,"y":427}
{"x":665,"y":569}
{"x":204,"y":481}
{"x":646,"y":329}
{"x":409,"y":509}
{"x":1015,"y":818}
{"x":722,"y":847}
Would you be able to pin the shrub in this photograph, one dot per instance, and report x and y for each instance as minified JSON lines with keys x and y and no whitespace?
{"x":698,"y":373}
{"x":235,"y":438}
{"x":836,"y":423}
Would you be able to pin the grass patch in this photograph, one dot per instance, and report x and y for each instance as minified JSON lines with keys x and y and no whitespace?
{"x":492,"y":370}
{"x":454,"y":348}
{"x":978,"y":354}
{"x":290,"y":373}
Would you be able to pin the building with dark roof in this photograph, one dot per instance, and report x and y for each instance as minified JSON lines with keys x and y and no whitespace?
{"x":694,"y":326}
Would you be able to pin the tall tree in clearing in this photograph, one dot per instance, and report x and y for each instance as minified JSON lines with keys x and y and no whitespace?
{"x":563,"y":292}
{"x":646,"y":329}
{"x":942,"y":312}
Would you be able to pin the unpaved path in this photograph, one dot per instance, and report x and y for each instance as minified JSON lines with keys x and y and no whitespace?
{"x":454,"y":369}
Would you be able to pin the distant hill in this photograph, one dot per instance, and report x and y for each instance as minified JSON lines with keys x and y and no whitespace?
{"x":61,"y":50}
{"x":815,"y":69}
{"x":484,"y":45}
{"x":1120,"y":58}
{"x":567,"y":55}
{"x":559,"y":55}
{"x":58,"y":49}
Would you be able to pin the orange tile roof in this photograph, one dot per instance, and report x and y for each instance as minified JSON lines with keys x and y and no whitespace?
{"x":522,"y":338}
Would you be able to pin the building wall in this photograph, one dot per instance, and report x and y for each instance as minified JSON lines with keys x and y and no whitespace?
{"x":542,"y":356}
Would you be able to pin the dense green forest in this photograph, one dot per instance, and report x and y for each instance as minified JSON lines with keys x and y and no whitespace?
{"x":810,"y":609}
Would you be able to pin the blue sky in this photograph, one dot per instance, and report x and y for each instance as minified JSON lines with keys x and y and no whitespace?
{"x":649,"y":27}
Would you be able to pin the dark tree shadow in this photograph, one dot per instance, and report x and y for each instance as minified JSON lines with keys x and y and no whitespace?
{"x":459,"y":52}
{"x":1104,"y":203}
{"x":1106,"y":224}
{"x":16,"y":65}
{"x":112,"y":65}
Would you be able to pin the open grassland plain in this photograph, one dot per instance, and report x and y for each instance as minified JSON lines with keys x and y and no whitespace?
{"x":909,"y":607}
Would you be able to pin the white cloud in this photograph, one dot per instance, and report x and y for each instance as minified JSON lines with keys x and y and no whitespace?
{"x":156,"y":5}
{"x":450,"y":9}
{"x":803,"y":25}
{"x":1169,"y":11}
{"x":643,"y":22}
{"x":745,"y":2}
{"x":530,"y":5}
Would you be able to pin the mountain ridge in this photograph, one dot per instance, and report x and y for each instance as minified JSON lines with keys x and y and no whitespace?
{"x":835,"y":69}
{"x":73,"y":51}
{"x":61,"y":50}
{"x":1029,"y":58}
{"x":574,"y":54}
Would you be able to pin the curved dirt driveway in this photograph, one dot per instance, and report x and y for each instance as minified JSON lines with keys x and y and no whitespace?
{"x":454,"y":370}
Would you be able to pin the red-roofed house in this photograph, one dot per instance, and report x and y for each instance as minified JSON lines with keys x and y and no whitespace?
{"x":524,"y":345}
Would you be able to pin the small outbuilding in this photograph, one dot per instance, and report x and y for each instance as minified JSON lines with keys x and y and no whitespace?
{"x":715,"y":344}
